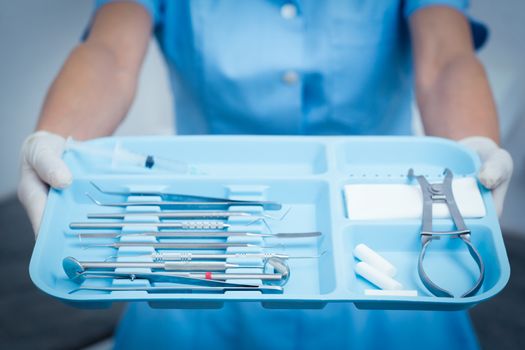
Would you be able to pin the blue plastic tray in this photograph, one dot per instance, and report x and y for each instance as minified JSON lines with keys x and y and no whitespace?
{"x":304,"y":173}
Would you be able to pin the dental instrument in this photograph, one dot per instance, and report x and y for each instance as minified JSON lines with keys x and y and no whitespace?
{"x":225,"y":204}
{"x":371,"y":257}
{"x":166,"y":276}
{"x":199,"y":234}
{"x":185,"y":245}
{"x":376,"y":277}
{"x":74,"y":269}
{"x":188,"y":225}
{"x":185,"y":214}
{"x":170,"y":256}
{"x":442,"y":193}
{"x":183,"y":289}
{"x":197,"y":256}
{"x":79,"y":276}
{"x":181,"y":200}
{"x":168,"y":265}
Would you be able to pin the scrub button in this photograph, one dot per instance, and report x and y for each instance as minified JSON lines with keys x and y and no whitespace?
{"x":290,"y":77}
{"x":289,"y":11}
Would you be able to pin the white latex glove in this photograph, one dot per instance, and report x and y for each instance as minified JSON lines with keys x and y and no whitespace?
{"x":41,"y":166}
{"x":496,"y":167}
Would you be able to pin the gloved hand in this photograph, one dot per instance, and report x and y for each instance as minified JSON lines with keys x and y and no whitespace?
{"x":41,"y":166}
{"x":496,"y":167}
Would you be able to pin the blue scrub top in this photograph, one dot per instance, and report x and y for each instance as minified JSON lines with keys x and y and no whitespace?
{"x":290,"y":67}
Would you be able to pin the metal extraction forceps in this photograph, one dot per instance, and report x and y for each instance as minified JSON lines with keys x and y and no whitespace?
{"x":442,"y":193}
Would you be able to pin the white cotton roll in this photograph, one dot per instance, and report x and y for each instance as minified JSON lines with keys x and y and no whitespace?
{"x":372,"y":258}
{"x":377,"y":277}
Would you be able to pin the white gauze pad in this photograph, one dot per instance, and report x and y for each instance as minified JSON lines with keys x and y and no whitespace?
{"x":404,"y":201}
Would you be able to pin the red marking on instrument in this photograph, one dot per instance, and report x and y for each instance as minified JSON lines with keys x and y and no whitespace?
{"x":208,"y":275}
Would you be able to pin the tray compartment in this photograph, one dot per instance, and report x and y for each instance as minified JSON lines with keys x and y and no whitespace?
{"x":391,"y":158}
{"x":206,"y":157}
{"x":310,"y":211}
{"x":309,"y":205}
{"x":400,"y":244}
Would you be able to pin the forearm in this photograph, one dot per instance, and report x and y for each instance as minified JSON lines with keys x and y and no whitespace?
{"x":89,"y":97}
{"x":452,"y":90}
{"x":95,"y":87}
{"x":458,"y":103}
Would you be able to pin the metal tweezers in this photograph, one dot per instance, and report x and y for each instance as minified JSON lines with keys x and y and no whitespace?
{"x":184,"y":289}
{"x":442,"y":193}
{"x":181,"y":201}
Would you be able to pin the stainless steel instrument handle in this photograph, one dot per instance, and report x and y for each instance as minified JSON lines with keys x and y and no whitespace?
{"x":197,"y":225}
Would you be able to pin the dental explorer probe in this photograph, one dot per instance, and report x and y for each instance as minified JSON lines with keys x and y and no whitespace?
{"x":169,"y":256}
{"x":192,"y":225}
{"x":186,"y":214}
{"x":196,"y":256}
{"x":199,"y":234}
{"x":184,"y":245}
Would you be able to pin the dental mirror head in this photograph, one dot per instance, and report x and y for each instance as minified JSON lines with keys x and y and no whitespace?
{"x":279,"y":266}
{"x":73,"y":269}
